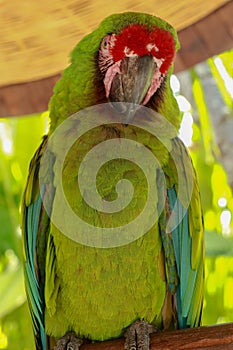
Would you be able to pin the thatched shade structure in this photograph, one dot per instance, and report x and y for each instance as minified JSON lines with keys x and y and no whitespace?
{"x":37,"y":36}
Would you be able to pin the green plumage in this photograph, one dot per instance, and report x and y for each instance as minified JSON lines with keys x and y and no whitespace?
{"x":105,"y":284}
{"x":99,"y":292}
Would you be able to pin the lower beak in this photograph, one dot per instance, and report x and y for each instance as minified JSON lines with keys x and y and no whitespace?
{"x":132,"y":84}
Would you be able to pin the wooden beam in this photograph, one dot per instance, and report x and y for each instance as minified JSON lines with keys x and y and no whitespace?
{"x":212,"y":338}
{"x":192,"y":48}
{"x":26,"y":98}
{"x":206,"y":38}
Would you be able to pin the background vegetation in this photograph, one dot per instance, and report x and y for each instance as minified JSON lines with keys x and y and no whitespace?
{"x":206,"y":128}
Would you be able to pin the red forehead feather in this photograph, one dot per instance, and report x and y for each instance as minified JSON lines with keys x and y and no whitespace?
{"x":138,"y":39}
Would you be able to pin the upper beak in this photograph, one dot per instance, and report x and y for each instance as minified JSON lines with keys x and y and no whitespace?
{"x":132,"y":83}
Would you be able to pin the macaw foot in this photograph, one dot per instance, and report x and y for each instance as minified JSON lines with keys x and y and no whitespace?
{"x":68,"y":342}
{"x":138,"y":336}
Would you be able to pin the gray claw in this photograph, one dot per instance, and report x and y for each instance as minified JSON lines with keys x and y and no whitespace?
{"x":138,"y":336}
{"x":68,"y":342}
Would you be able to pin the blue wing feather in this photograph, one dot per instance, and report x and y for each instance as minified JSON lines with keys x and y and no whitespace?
{"x":36,"y":304}
{"x":189,"y":284}
{"x":182,"y":248}
{"x":33,"y":213}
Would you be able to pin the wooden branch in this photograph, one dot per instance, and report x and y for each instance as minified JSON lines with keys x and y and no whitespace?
{"x":214,"y":337}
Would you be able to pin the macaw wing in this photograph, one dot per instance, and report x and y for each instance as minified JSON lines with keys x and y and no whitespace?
{"x":35,"y":227}
{"x":182,"y":232}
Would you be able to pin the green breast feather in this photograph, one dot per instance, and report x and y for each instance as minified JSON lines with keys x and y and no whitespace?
{"x":115,"y":285}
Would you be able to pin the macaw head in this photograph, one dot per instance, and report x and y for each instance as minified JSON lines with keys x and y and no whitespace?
{"x":128,"y":58}
{"x":134,"y":62}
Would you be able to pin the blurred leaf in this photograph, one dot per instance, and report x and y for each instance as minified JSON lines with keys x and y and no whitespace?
{"x":19,"y":139}
{"x":18,"y":142}
{"x":27,"y":137}
{"x":218,"y":245}
{"x":227,"y":59}
{"x":204,"y":117}
{"x":220,"y":81}
{"x":12,"y":293}
{"x":18,"y":328}
{"x":3,"y":339}
{"x":9,"y":212}
{"x":219,"y":184}
{"x":217,"y":306}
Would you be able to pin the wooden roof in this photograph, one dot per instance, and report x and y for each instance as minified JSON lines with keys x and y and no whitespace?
{"x":29,"y":70}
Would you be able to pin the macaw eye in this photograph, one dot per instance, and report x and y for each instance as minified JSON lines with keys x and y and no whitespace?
{"x":105,"y":52}
{"x":106,"y":43}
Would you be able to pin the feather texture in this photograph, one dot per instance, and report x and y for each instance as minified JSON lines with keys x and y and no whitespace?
{"x":32,"y":210}
{"x":184,"y":238}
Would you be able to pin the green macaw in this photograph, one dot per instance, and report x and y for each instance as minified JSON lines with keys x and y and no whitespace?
{"x":154,"y":280}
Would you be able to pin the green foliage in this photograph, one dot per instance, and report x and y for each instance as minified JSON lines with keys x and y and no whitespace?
{"x":224,"y":60}
{"x":17,"y":330}
{"x":216,"y":193}
{"x":19,"y":138}
{"x":218,"y":306}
